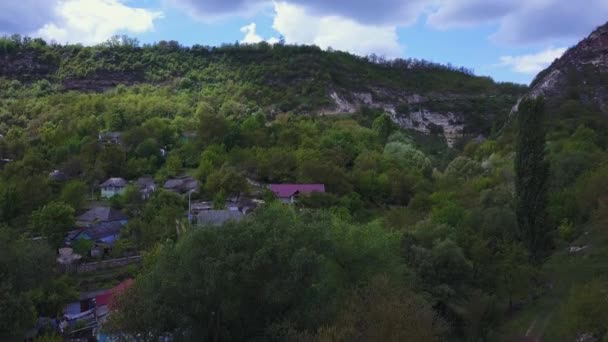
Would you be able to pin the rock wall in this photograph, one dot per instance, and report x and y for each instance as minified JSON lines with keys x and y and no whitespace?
{"x":112,"y":263}
{"x":449,"y":124}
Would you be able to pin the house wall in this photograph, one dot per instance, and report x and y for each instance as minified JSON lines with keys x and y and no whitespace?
{"x":111,"y":192}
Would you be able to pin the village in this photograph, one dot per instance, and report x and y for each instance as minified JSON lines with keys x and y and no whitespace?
{"x":88,"y":249}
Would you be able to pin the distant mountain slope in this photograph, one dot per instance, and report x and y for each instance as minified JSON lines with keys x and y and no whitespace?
{"x":580,"y":74}
{"x":420,"y":95}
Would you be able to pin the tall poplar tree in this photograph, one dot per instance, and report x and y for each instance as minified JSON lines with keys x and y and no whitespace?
{"x":531,"y":182}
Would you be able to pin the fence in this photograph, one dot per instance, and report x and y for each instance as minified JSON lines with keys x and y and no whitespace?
{"x":112,"y":263}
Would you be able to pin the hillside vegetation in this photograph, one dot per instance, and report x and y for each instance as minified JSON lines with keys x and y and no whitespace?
{"x":412,"y":240}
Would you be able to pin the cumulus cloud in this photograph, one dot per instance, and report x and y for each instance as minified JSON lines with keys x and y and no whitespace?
{"x":378,"y":12}
{"x":523,"y":21}
{"x":551,"y":20}
{"x":251,"y":37}
{"x":466,"y":13}
{"x":297,"y":25}
{"x":94,"y":21}
{"x":25,"y":16}
{"x":518,"y":21}
{"x":211,"y":10}
{"x":532,"y":63}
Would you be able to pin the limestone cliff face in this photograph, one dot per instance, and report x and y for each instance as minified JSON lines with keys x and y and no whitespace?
{"x":418,"y":112}
{"x":581,"y":73}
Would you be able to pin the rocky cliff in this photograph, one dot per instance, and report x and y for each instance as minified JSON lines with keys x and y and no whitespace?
{"x":580,"y":74}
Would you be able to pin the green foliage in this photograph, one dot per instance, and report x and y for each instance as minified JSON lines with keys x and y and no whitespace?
{"x":74,"y":194}
{"x":53,"y":221}
{"x":407,"y":157}
{"x":226,"y":180}
{"x":393,"y":249}
{"x":296,"y":279}
{"x":382,"y":311}
{"x":585,"y":311}
{"x":463,"y":167}
{"x":25,"y":266}
{"x":566,"y":230}
{"x":531,"y":181}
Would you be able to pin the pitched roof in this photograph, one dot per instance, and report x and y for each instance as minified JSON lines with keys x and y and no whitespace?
{"x":145,"y":182}
{"x":197,"y":206}
{"x":102,"y":214}
{"x":218,"y":217}
{"x":288,"y":190}
{"x":110,"y":135}
{"x":104,"y":229}
{"x":106,"y":298}
{"x":182,"y":184}
{"x":58,"y":175}
{"x":115,"y":182}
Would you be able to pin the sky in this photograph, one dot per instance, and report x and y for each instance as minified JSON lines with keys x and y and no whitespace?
{"x":508,"y":40}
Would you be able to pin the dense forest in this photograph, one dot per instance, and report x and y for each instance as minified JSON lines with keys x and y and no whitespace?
{"x":411,"y":241}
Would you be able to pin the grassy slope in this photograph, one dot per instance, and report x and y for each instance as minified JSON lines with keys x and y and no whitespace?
{"x":562,"y":272}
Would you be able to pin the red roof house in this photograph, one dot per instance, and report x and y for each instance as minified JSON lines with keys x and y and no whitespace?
{"x":107,"y":297}
{"x":288,"y":192}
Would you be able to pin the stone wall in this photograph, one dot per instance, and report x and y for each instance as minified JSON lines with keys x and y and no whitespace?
{"x":102,"y":265}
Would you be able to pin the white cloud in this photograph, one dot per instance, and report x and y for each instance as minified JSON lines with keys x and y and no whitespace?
{"x":94,"y":21}
{"x":340,"y":33}
{"x":532,"y":63}
{"x":523,"y":21}
{"x":213,"y":10}
{"x":251,"y":37}
{"x":377,"y":12}
{"x":25,"y":16}
{"x":468,"y":13}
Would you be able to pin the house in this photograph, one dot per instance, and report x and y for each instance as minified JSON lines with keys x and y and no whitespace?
{"x":91,"y":311}
{"x":4,"y":161}
{"x":58,"y":176}
{"x":67,"y":259}
{"x":107,"y":298}
{"x":243,"y":204}
{"x":109,"y":137}
{"x":288,"y":193}
{"x":146,"y":186}
{"x":112,"y":187}
{"x":104,"y":232}
{"x":197,"y":207}
{"x":99,"y":215}
{"x":218,"y":217}
{"x":181,"y":185}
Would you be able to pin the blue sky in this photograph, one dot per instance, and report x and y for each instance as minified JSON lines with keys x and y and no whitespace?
{"x":509,"y":40}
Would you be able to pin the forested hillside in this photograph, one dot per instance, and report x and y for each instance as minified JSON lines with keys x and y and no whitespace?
{"x":409,"y":239}
{"x":274,"y":78}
